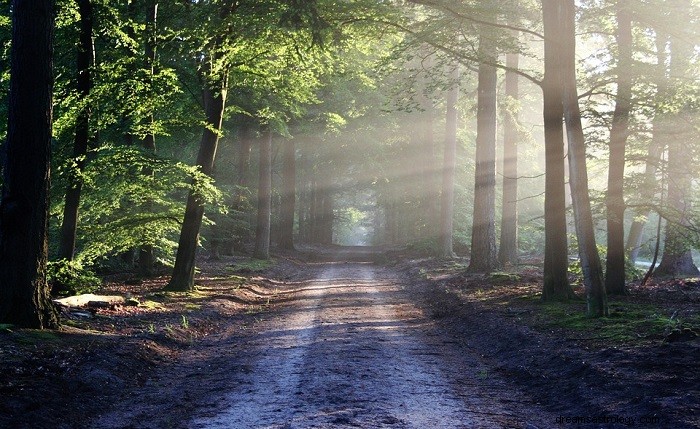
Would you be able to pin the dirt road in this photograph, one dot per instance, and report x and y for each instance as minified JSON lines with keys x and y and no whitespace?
{"x":346,"y":349}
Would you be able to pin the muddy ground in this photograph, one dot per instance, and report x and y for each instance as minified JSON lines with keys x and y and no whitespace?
{"x":348,"y":338}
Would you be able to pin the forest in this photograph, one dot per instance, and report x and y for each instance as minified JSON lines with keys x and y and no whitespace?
{"x":176,"y":171}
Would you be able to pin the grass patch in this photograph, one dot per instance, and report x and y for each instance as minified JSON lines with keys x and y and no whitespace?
{"x":190,"y":306}
{"x":251,"y":266}
{"x":233,"y":278}
{"x":501,"y":277}
{"x":35,"y":336}
{"x":627,"y":322}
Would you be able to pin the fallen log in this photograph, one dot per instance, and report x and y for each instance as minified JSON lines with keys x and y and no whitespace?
{"x":85,"y":299}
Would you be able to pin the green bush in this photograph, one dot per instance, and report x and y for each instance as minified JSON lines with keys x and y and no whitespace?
{"x":73,"y":276}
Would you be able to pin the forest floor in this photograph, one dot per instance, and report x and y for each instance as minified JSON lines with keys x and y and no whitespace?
{"x":358,"y":338}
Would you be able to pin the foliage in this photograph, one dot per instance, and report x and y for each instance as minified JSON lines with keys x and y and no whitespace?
{"x":122,"y":208}
{"x":631,"y":271}
{"x":75,"y":278}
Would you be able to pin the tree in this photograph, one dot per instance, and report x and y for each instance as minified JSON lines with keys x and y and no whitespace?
{"x":578,"y":175}
{"x":214,"y":94}
{"x":615,"y":201}
{"x":654,"y":152}
{"x":262,"y":228}
{"x":556,"y":280}
{"x":508,"y":248}
{"x":84,"y":62}
{"x":677,"y":259}
{"x":449,"y":165}
{"x":286,"y":239}
{"x":484,"y":257}
{"x":146,"y":257}
{"x":24,"y":292}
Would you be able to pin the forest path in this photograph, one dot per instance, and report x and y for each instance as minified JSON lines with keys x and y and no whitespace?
{"x":346,"y":349}
{"x":346,"y":355}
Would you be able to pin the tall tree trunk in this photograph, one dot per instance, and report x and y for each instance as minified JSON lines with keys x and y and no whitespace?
{"x":448,"y":168}
{"x":654,"y":155}
{"x":556,"y":280}
{"x":326,"y":224}
{"x":508,"y":249}
{"x":262,"y":228}
{"x":578,"y":175}
{"x":146,"y":255}
{"x":484,"y":256}
{"x":69,"y":227}
{"x":214,"y":102}
{"x":431,"y":195}
{"x":303,"y":205}
{"x":429,"y":169}
{"x":314,"y":210}
{"x":24,"y":293}
{"x":286,"y":239}
{"x":677,"y":259}
{"x":245,"y":144}
{"x":615,"y":201}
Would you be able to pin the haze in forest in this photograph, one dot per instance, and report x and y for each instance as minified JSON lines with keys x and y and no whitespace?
{"x":497,"y":131}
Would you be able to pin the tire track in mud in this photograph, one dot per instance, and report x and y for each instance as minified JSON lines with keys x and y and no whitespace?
{"x":350,"y":351}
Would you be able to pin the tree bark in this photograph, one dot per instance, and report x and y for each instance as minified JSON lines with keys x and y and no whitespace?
{"x":146,"y":256}
{"x":24,"y":293}
{"x":578,"y":175}
{"x":244,"y":147}
{"x":484,"y":255}
{"x":448,"y":168}
{"x":508,"y":249}
{"x":262,"y":228}
{"x":556,"y":280}
{"x":214,"y":102}
{"x":69,"y":227}
{"x":326,"y":206}
{"x":286,"y":240}
{"x":677,"y":259}
{"x":654,"y":155}
{"x":615,"y":201}
{"x":430,"y":192}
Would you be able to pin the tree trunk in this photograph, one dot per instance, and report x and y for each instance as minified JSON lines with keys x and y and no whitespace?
{"x":69,"y":227}
{"x":484,"y":256}
{"x":677,"y":259}
{"x":448,"y":168}
{"x":615,"y":201}
{"x":286,"y":240}
{"x":654,"y":155}
{"x":244,"y":146}
{"x":326,"y":224}
{"x":214,"y":103}
{"x":146,"y":255}
{"x":24,"y":293}
{"x":508,"y":249}
{"x":262,"y":228}
{"x":430,"y":192}
{"x":578,"y":175}
{"x":556,"y":280}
